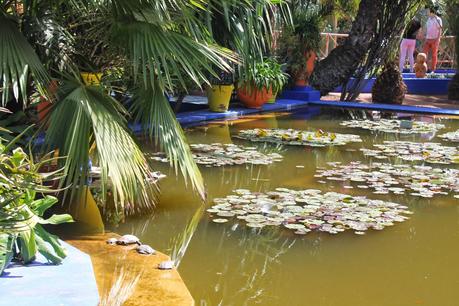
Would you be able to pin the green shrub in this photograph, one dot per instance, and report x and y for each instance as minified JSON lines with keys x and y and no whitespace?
{"x":22,"y":205}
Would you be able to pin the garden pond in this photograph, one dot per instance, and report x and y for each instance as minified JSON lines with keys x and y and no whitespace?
{"x":404,"y":254}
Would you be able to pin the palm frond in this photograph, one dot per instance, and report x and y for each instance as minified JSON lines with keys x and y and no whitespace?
{"x":85,"y":116}
{"x":17,"y":58}
{"x":152,"y":109}
{"x":158,"y":53}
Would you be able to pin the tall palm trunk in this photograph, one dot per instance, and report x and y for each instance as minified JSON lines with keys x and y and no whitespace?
{"x":389,"y":86}
{"x":374,"y":36}
{"x":453,"y":89}
{"x":453,"y":18}
{"x":342,"y":61}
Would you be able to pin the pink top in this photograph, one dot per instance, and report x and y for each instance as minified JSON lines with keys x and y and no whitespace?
{"x":434,"y":26}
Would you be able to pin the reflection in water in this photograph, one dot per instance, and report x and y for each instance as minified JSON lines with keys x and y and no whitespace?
{"x":182,"y":240}
{"x":259,"y":252}
{"x":123,"y":283}
{"x":230,"y":264}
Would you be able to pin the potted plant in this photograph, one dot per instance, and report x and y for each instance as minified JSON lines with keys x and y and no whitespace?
{"x":220,"y":91}
{"x":258,"y":82}
{"x":279,"y":77}
{"x":299,"y":43}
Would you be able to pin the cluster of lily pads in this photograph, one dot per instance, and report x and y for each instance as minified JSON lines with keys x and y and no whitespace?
{"x":217,"y":155}
{"x":394,"y":126}
{"x":430,"y":152}
{"x":450,"y":136}
{"x":298,"y":137}
{"x":307,"y":210}
{"x":383,"y":178}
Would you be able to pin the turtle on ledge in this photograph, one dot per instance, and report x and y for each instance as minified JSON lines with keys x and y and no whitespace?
{"x":128,"y":239}
{"x":131,"y":239}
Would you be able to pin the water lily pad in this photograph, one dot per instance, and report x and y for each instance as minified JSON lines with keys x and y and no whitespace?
{"x":451,"y":136}
{"x":298,"y":137}
{"x":311,"y":210}
{"x":219,"y":155}
{"x":255,"y":225}
{"x":225,"y":214}
{"x":420,"y":181}
{"x":395,"y":126}
{"x":294,"y":226}
{"x":220,"y":220}
{"x":434,"y":153}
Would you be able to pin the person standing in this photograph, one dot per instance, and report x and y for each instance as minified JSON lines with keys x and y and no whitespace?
{"x":433,"y":33}
{"x":408,"y":44}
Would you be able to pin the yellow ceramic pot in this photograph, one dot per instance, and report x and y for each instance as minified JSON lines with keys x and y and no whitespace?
{"x":91,"y":79}
{"x":219,"y":97}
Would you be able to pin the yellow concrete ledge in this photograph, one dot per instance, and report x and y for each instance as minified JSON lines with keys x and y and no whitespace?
{"x":114,"y":265}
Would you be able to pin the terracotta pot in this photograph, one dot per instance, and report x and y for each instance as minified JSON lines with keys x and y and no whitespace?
{"x":44,"y":106}
{"x":301,"y":83}
{"x":253,"y":97}
{"x":303,"y":77}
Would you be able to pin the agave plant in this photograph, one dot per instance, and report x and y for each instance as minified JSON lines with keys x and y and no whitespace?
{"x":150,"y":47}
{"x":21,"y":212}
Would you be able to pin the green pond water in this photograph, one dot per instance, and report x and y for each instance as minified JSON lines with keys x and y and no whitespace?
{"x":412,"y":263}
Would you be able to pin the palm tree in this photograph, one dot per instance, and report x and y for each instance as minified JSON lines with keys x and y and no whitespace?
{"x":389,"y":86}
{"x":453,"y":19}
{"x":146,"y":49}
{"x":374,"y":35}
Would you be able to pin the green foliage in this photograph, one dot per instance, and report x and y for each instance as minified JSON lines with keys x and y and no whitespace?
{"x":86,"y":117}
{"x":143,"y":47}
{"x":265,"y":74}
{"x":299,"y":40}
{"x":21,"y":213}
{"x":11,"y":125}
{"x":6,"y":250}
{"x":152,"y":108}
{"x":18,"y":59}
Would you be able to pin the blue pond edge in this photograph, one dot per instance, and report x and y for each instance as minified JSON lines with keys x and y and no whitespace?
{"x":300,"y":98}
{"x":414,"y":85}
{"x":294,"y":99}
{"x":189,"y":119}
{"x":71,"y":284}
{"x":388,"y":107}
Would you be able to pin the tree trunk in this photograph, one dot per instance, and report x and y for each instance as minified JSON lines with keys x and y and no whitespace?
{"x":342,"y":62}
{"x":453,"y":89}
{"x":374,"y":38}
{"x":179,"y":102}
{"x":389,"y":86}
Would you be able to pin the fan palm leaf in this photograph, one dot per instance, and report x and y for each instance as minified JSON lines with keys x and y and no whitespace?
{"x":153,"y":110}
{"x":85,"y":116}
{"x":158,"y":54}
{"x":17,"y":58}
{"x":165,"y":59}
